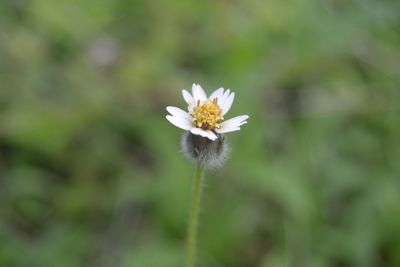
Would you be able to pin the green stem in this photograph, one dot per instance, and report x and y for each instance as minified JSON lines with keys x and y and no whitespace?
{"x":194,"y":218}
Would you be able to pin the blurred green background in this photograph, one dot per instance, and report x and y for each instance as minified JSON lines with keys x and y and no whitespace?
{"x":91,"y":172}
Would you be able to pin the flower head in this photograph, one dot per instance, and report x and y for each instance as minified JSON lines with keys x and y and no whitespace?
{"x":205,"y":116}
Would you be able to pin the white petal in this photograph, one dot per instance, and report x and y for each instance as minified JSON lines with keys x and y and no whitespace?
{"x":227,"y":130}
{"x":233,"y":124}
{"x":198,"y":93}
{"x":224,"y":96}
{"x":226,"y":106}
{"x":187,"y":96}
{"x":217,"y":94}
{"x":209,"y":134}
{"x":180,"y":122}
{"x":189,"y":100}
{"x":177,"y":112}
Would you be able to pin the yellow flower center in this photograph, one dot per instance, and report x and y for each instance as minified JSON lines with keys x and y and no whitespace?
{"x":207,"y":115}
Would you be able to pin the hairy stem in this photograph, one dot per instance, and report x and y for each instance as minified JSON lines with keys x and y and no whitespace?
{"x":194,"y":218}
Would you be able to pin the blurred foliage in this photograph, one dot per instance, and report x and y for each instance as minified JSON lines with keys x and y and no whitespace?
{"x":90,"y":170}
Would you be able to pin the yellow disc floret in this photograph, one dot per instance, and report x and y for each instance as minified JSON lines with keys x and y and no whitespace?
{"x":207,"y":115}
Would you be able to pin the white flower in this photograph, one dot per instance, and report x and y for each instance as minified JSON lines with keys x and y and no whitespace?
{"x":205,"y":116}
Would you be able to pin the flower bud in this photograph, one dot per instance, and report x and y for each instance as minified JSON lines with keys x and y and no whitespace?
{"x":210,"y":154}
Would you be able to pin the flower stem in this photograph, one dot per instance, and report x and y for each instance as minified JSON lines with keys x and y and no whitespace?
{"x":194,"y":217}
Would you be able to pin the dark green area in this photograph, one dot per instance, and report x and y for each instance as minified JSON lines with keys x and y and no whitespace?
{"x":90,"y":169}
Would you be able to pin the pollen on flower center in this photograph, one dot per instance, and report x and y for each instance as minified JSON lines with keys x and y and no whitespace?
{"x":207,"y":115}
